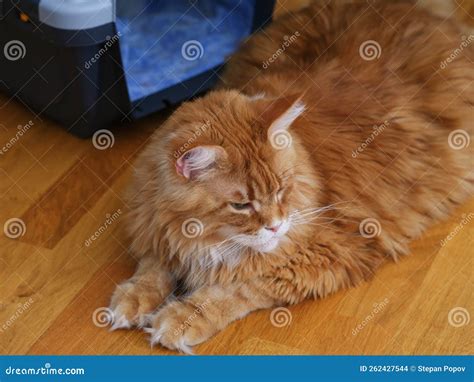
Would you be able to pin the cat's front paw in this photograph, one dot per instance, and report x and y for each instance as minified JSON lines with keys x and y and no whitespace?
{"x":179,"y":326}
{"x":132,"y":304}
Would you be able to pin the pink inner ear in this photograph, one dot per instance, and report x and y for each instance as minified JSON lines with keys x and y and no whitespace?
{"x":196,"y":162}
{"x":181,"y":166}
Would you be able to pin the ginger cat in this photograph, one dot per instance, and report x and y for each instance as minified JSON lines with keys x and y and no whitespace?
{"x":333,"y":141}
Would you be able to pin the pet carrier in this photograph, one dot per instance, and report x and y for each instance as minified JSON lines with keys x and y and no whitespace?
{"x":90,"y":63}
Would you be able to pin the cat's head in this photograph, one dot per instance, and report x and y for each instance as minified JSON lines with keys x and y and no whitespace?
{"x":232,"y":167}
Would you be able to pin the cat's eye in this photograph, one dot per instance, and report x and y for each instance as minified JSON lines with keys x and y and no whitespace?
{"x":241,"y":206}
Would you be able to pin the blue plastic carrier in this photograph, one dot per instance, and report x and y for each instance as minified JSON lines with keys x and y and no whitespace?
{"x":90,"y":63}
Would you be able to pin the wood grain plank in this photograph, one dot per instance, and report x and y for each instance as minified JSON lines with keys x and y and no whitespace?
{"x":54,"y":278}
{"x":447,"y":286}
{"x":76,"y":192}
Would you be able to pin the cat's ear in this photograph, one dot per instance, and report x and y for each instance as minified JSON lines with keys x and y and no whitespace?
{"x":281,"y":113}
{"x":200,"y":161}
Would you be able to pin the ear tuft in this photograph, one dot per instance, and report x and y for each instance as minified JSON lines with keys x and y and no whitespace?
{"x":199,"y":161}
{"x":284,"y":121}
{"x":257,"y":96}
{"x":279,"y":115}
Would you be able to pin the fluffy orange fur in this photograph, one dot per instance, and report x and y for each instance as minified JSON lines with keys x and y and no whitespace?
{"x":301,"y":174}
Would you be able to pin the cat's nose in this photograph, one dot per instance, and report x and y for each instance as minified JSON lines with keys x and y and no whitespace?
{"x":274,"y":228}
